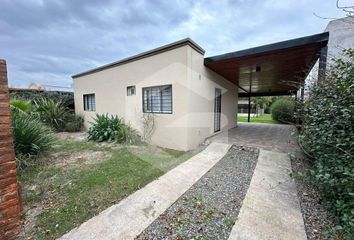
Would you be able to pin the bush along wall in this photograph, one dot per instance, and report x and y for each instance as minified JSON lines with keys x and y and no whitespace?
{"x":328,"y":136}
{"x":282,"y":110}
{"x":112,"y":128}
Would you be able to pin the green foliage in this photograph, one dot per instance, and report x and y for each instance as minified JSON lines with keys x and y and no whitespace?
{"x":104,"y":128}
{"x":128,"y":135}
{"x":328,"y":135}
{"x":20,"y":105}
{"x":261,"y":102}
{"x":51,"y":112}
{"x":67,"y":98}
{"x":111,"y":128}
{"x":283,"y":110}
{"x":31,"y":136}
{"x":73,"y":123}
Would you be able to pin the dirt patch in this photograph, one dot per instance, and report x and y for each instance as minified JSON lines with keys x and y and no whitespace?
{"x":85,"y":157}
{"x":77,"y":136}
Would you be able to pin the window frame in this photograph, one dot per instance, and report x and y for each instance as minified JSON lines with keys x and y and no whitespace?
{"x":131,"y":87}
{"x":157,"y":86}
{"x":85,"y":96}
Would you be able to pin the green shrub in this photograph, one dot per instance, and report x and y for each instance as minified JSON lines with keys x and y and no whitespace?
{"x":328,"y":135}
{"x":51,"y":112}
{"x":104,"y":128}
{"x":111,"y":128}
{"x":128,"y":135}
{"x":73,"y":122}
{"x":20,"y":105}
{"x":283,"y":110}
{"x":31,"y":136}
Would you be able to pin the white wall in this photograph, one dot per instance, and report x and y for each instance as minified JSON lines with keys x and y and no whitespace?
{"x":110,"y":86}
{"x":193,"y":92}
{"x":202,"y":82}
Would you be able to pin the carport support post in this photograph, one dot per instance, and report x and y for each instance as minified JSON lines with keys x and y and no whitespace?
{"x":249,"y":107}
{"x":249,"y":98}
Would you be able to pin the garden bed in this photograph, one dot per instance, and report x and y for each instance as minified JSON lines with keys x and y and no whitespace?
{"x":319,"y":223}
{"x":208,"y":210}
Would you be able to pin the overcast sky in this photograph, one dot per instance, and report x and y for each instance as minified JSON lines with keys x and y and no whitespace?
{"x":47,"y":41}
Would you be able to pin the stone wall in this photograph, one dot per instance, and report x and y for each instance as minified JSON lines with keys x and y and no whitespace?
{"x":10,"y":204}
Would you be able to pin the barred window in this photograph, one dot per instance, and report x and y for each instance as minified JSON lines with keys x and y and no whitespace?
{"x":130,"y":90}
{"x":157,"y":99}
{"x":89,"y":102}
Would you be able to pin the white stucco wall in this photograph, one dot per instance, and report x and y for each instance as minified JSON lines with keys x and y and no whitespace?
{"x":192,"y":119}
{"x":202,"y":83}
{"x":341,"y":36}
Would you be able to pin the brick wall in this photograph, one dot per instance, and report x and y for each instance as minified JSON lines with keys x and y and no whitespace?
{"x":10,"y":205}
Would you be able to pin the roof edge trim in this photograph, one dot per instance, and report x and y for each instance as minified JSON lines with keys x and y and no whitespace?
{"x":155,"y":51}
{"x":321,"y":38}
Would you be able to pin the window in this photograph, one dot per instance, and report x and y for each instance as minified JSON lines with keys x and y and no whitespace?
{"x":130,"y":90}
{"x":157,"y":99}
{"x":89,"y":102}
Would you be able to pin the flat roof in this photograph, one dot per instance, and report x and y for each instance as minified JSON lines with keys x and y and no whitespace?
{"x":273,"y":69}
{"x":180,"y":43}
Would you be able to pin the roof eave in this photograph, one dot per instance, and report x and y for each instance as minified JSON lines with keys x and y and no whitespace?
{"x":321,"y":39}
{"x":174,"y":45}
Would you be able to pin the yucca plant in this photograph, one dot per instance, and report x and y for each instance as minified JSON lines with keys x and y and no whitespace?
{"x":20,"y":105}
{"x":31,"y":136}
{"x":51,"y":112}
{"x":104,"y":128}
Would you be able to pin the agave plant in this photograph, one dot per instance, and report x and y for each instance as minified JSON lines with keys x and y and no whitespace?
{"x":51,"y":112}
{"x":104,"y":128}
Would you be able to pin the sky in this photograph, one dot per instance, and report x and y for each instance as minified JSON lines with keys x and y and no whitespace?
{"x":48,"y":41}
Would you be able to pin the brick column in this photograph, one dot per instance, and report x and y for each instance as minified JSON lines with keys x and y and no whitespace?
{"x":10,"y":204}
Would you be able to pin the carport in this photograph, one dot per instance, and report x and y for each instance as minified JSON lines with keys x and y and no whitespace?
{"x":272,"y":70}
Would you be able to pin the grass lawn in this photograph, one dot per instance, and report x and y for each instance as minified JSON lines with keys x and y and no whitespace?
{"x":79,"y":179}
{"x":265,"y":118}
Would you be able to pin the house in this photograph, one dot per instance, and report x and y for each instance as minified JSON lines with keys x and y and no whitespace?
{"x":188,"y":96}
{"x":172,"y":83}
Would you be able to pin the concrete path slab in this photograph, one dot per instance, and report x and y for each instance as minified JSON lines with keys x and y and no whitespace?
{"x":132,"y":215}
{"x":271,"y":209}
{"x":272,"y":137}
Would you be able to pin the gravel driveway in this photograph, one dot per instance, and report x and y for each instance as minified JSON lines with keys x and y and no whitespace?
{"x":208,"y":210}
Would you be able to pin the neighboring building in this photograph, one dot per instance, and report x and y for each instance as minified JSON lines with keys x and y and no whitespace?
{"x":243,"y":107}
{"x":192,"y":97}
{"x":45,"y":87}
{"x":341,"y":36}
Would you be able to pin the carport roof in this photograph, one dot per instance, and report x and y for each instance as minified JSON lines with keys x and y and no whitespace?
{"x":274,"y":69}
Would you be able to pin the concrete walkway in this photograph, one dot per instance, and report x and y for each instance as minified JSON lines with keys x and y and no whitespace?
{"x":132,"y":215}
{"x":271,"y":208}
{"x":272,"y":137}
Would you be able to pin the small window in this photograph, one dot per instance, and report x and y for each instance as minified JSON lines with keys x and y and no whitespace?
{"x":89,"y":102}
{"x":130,"y":90}
{"x":157,"y":99}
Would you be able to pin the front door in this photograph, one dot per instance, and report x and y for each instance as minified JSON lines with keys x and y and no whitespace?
{"x":217,"y":109}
